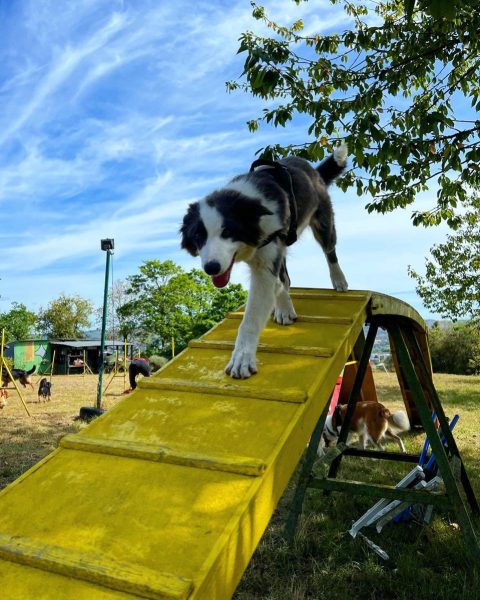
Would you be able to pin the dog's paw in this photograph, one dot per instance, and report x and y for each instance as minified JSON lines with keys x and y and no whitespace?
{"x":284,"y":317}
{"x":338,"y":278}
{"x":242,"y":364}
{"x":340,"y":285}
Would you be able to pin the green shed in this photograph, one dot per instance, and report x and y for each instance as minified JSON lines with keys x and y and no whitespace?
{"x":27,"y":353}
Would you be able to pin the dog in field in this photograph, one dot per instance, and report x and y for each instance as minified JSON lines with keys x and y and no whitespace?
{"x":44,"y":390}
{"x":20,"y":375}
{"x":253,"y":218}
{"x":372,"y":422}
{"x":3,"y":398}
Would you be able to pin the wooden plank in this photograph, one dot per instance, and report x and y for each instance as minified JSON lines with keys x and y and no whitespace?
{"x":320,"y":319}
{"x":157,"y":453}
{"x":341,"y":296}
{"x":272,"y":348}
{"x":116,"y":575}
{"x":294,"y":395}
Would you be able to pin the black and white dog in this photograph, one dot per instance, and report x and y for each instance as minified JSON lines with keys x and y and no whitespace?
{"x":253,"y":219}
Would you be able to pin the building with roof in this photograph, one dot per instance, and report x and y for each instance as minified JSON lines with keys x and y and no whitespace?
{"x":70,"y":355}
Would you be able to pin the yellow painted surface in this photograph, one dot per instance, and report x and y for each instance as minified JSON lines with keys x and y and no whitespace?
{"x":168,"y":493}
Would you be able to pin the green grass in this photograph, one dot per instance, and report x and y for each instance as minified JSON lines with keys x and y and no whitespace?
{"x":325,"y":563}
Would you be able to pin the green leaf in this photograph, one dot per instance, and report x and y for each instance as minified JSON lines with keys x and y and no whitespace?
{"x":409,"y":5}
{"x":441,"y":8}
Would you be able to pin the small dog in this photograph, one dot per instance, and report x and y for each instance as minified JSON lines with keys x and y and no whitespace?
{"x":44,"y":390}
{"x":372,"y":421}
{"x":20,"y":375}
{"x":253,"y":219}
{"x":3,"y":398}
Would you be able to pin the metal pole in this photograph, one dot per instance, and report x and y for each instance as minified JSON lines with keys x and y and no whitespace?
{"x":52,"y":366}
{"x":124,"y":363}
{"x":104,"y":324}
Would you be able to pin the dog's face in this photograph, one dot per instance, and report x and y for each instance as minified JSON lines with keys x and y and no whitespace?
{"x":221,"y":226}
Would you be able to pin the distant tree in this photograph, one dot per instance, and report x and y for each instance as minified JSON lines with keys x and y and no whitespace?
{"x":218,"y":302}
{"x":451,"y":284}
{"x":66,"y":317}
{"x":118,"y":327}
{"x":455,"y":349}
{"x":165,"y":302}
{"x":18,"y":322}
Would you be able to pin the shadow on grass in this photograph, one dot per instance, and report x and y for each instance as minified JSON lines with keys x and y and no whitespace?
{"x":458,"y":398}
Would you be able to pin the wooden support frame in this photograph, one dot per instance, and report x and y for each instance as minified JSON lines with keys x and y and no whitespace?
{"x":415,"y":375}
{"x":115,"y":370}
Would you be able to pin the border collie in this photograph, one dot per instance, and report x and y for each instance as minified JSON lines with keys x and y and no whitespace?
{"x":372,"y":422}
{"x":253,"y":218}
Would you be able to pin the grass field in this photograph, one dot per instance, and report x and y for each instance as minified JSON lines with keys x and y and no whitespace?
{"x":324,"y":562}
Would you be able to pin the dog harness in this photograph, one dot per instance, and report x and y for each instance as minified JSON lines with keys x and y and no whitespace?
{"x":284,"y":179}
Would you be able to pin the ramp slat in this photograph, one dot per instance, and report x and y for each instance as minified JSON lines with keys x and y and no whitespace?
{"x":117,"y":575}
{"x":340,"y":296}
{"x":230,"y":464}
{"x":296,"y":396}
{"x":296,"y":350}
{"x":322,"y":319}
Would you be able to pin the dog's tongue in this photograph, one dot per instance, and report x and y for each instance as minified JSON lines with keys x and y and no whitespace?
{"x":220,"y":281}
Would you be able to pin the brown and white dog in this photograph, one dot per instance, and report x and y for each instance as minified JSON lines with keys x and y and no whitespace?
{"x":20,"y":375}
{"x":372,"y":421}
{"x":3,"y":398}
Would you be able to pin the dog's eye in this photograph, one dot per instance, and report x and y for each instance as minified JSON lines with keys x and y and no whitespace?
{"x":199,"y":237}
{"x":226,"y":233}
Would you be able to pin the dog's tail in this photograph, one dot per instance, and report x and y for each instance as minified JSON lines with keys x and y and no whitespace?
{"x":399,"y":421}
{"x":32,"y":370}
{"x":335,"y":164}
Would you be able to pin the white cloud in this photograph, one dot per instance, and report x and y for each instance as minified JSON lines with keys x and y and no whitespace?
{"x":115,"y":116}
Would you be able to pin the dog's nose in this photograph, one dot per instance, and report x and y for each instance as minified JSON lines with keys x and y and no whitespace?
{"x":212,"y":267}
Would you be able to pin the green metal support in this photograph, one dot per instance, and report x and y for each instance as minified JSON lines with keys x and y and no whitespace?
{"x":378,"y":490}
{"x":305,"y":476}
{"x":104,"y":326}
{"x":451,"y":444}
{"x":438,"y":448}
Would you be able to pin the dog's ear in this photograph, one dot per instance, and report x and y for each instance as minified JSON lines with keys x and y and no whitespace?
{"x":191,"y":222}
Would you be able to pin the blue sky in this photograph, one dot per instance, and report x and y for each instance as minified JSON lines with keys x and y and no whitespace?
{"x":115,"y":116}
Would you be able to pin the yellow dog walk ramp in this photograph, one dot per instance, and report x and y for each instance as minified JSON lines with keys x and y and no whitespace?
{"x":168,"y":493}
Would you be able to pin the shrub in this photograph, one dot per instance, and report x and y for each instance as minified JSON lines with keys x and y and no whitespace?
{"x":455,"y":349}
